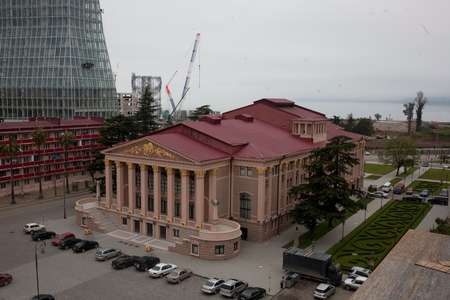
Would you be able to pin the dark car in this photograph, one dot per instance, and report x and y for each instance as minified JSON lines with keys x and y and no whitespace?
{"x":69,"y":243}
{"x":123,"y":261}
{"x":43,"y":297}
{"x":144,"y":263}
{"x":412,"y":198}
{"x":5,"y":279}
{"x":438,"y":200}
{"x":42,"y":235}
{"x":61,"y":237}
{"x":84,"y":245}
{"x":252,"y":293}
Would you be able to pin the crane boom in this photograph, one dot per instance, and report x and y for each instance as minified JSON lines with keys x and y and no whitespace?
{"x":188,"y":75}
{"x":169,"y":93}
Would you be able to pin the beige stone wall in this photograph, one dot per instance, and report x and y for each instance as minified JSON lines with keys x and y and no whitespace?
{"x":248,"y":184}
{"x":223,"y":191}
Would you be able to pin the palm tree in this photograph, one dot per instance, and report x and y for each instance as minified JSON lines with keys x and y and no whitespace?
{"x":39,"y":139}
{"x":409,"y":113}
{"x":66,"y":140}
{"x":10,"y":150}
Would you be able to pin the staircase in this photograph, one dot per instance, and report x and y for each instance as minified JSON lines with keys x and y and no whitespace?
{"x":103,"y":221}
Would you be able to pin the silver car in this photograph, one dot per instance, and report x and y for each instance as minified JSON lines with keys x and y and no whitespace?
{"x":232,"y":287}
{"x":212,"y":286}
{"x":103,"y":254}
{"x":178,"y":275}
{"x":324,"y":291}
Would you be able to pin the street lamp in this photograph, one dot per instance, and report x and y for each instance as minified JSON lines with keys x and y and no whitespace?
{"x":41,"y":246}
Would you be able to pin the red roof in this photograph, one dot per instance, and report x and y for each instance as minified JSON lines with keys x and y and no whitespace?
{"x":49,"y":124}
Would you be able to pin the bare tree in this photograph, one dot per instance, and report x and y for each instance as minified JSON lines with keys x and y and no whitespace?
{"x":420,"y":103}
{"x":377,"y":116}
{"x":409,"y":113}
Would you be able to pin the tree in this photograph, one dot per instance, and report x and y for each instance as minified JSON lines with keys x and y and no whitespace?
{"x":203,"y":110}
{"x":420,"y":102}
{"x":337,"y":120}
{"x":409,"y":113}
{"x":377,"y":116}
{"x":307,"y":215}
{"x":118,"y":129}
{"x":399,"y":151}
{"x":364,"y":126}
{"x":350,"y":123}
{"x":10,"y":150}
{"x":147,"y":115}
{"x":66,"y":140}
{"x":39,"y":139}
{"x":327,"y":190}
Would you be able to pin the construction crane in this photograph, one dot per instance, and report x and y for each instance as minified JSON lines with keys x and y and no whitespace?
{"x":187,"y":81}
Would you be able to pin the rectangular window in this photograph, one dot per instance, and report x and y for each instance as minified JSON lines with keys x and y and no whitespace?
{"x":163,"y":206}
{"x":245,"y":205}
{"x":124,"y":221}
{"x":246,"y":171}
{"x":194,"y":249}
{"x":191,"y":210}
{"x":150,"y":203}
{"x":219,"y":250}
{"x":177,"y":209}
{"x":176,"y":233}
{"x":235,"y":246}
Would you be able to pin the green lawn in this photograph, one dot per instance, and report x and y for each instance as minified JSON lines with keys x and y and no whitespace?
{"x":409,"y":171}
{"x":370,"y":242}
{"x":437,"y":174}
{"x":373,"y":177}
{"x":434,"y":187}
{"x":379,"y":169}
{"x":395,"y":180}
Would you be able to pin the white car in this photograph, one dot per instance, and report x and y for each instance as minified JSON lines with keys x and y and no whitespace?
{"x":381,"y":194}
{"x":354,"y":283}
{"x":161,"y":269}
{"x":359,"y":271}
{"x":387,"y":187}
{"x":212,"y":286}
{"x":324,"y":291}
{"x":31,"y":227}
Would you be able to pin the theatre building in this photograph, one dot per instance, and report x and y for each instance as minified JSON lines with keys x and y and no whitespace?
{"x":205,"y":185}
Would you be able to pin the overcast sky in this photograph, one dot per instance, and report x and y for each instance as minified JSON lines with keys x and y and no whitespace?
{"x":311,"y":50}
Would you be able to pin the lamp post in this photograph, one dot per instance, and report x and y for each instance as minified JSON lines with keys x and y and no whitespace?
{"x":42,"y":246}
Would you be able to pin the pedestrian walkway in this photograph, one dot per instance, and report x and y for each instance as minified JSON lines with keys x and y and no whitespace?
{"x":429,"y":222}
{"x":335,"y":235}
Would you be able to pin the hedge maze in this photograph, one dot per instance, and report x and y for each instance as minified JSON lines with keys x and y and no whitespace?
{"x":369,"y":243}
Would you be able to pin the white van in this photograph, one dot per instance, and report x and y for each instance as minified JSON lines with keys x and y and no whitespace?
{"x":387,"y":187}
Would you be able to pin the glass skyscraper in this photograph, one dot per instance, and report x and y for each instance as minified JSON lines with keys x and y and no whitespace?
{"x":53,"y":60}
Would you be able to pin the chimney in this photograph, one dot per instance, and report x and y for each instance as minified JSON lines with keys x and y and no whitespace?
{"x":245,"y":117}
{"x":215,"y":120}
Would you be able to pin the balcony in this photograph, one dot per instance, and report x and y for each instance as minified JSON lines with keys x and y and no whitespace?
{"x":220,"y":230}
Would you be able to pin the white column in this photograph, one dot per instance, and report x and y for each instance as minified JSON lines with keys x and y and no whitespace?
{"x":119,"y":185}
{"x":184,"y":196}
{"x":199,"y":197}
{"x":261,"y":193}
{"x":213,"y":203}
{"x":144,"y":189}
{"x":156,"y":192}
{"x":131,"y":187}
{"x":170,"y":193}
{"x":269,"y":194}
{"x":108,"y":182}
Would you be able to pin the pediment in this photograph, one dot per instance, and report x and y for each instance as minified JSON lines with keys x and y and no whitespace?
{"x":147,"y":149}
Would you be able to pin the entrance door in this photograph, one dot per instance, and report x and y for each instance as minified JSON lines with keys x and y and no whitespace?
{"x":149,"y":229}
{"x":162,"y":232}
{"x":137,"y":226}
{"x":244,"y":233}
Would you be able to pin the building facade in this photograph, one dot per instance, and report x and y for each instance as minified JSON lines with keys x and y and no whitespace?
{"x":54,"y":61}
{"x":205,"y":185}
{"x":138,"y":85}
{"x":126,"y":104}
{"x":29,"y":165}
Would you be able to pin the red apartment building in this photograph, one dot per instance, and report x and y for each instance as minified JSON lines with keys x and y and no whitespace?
{"x":29,"y":165}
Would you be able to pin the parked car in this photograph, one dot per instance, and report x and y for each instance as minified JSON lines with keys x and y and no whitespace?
{"x":359,"y":271}
{"x":178,"y":275}
{"x":438,"y":200}
{"x":425,"y":164}
{"x":443,"y":193}
{"x":233,"y":287}
{"x":381,"y":194}
{"x":84,"y":245}
{"x":30,"y":227}
{"x":354,"y":283}
{"x":399,"y":188}
{"x":251,"y":293}
{"x":412,"y":198}
{"x":372,"y":188}
{"x":103,"y":254}
{"x":324,"y":291}
{"x":424,"y":193}
{"x":5,"y":279}
{"x":144,"y":263}
{"x":161,"y":270}
{"x":42,"y":235}
{"x":61,"y":237}
{"x":212,"y":286}
{"x":387,"y":187}
{"x":69,"y":243}
{"x":123,"y":262}
{"x":409,"y":192}
{"x":43,"y":297}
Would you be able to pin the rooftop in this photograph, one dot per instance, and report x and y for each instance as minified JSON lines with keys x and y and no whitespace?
{"x":399,"y":277}
{"x":48,"y":123}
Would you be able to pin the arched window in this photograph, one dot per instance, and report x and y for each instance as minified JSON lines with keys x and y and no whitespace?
{"x":245,"y":205}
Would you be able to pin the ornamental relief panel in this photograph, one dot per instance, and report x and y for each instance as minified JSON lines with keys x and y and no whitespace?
{"x":150,"y":150}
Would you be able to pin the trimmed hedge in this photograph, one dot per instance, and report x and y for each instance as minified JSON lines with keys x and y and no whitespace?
{"x":369,"y":243}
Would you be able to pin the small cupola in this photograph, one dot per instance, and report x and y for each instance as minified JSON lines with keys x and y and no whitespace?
{"x":245,"y":117}
{"x":316,"y":130}
{"x":212,"y":119}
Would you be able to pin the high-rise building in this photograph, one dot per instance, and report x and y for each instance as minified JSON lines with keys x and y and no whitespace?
{"x":138,"y":85}
{"x":54,"y":61}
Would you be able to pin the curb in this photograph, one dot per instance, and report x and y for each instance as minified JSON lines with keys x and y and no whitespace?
{"x":38,"y":202}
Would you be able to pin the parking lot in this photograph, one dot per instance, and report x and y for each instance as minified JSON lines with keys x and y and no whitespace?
{"x":304,"y":290}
